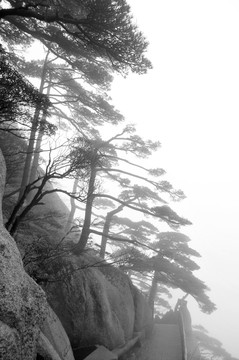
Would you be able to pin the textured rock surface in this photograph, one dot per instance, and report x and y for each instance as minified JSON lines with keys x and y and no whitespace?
{"x":22,"y":301}
{"x":96,"y":304}
{"x":46,"y":350}
{"x":2,"y":182}
{"x":54,"y":336}
{"x":88,"y":306}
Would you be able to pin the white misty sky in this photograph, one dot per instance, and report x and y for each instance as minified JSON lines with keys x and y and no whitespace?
{"x":190,"y":103}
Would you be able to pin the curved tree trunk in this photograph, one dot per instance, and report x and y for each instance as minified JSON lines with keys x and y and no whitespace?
{"x":88,"y":212}
{"x":106,"y":229}
{"x":30,"y":149}
{"x":36,"y":156}
{"x":153,"y":291}
{"x":70,"y":219}
{"x":35,"y":161}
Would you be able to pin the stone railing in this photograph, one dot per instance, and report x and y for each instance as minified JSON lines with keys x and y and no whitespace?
{"x":183,"y":335}
{"x":190,"y":350}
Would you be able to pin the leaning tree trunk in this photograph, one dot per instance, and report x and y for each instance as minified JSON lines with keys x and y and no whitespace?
{"x":106,"y":229}
{"x":30,"y":148}
{"x":153,"y":291}
{"x":70,"y":219}
{"x":37,"y":150}
{"x":35,"y":161}
{"x":88,"y":212}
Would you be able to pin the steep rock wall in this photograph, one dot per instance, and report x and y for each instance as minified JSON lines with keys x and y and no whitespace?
{"x":53,"y":339}
{"x":97,"y":304}
{"x":22,"y":301}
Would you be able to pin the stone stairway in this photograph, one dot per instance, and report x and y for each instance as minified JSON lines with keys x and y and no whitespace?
{"x":165,"y":344}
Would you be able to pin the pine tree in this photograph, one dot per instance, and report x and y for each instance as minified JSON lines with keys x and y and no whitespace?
{"x":89,"y":30}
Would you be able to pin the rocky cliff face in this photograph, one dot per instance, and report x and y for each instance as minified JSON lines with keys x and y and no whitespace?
{"x":53,"y":343}
{"x":22,"y":301}
{"x":97,"y":304}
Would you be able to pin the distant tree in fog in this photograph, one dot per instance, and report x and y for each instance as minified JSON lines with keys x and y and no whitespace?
{"x":210,"y":348}
{"x":172,"y":266}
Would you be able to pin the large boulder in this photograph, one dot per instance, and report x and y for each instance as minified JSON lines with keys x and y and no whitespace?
{"x":53,"y":339}
{"x":22,"y":301}
{"x":45,"y":350}
{"x":95,"y":302}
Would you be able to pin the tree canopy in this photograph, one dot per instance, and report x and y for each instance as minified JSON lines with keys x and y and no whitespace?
{"x":18,"y":98}
{"x":84,"y":42}
{"x":171,"y":266}
{"x":91,"y":29}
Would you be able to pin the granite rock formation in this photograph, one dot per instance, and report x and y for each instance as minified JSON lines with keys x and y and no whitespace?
{"x":97,"y":303}
{"x":22,"y":301}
